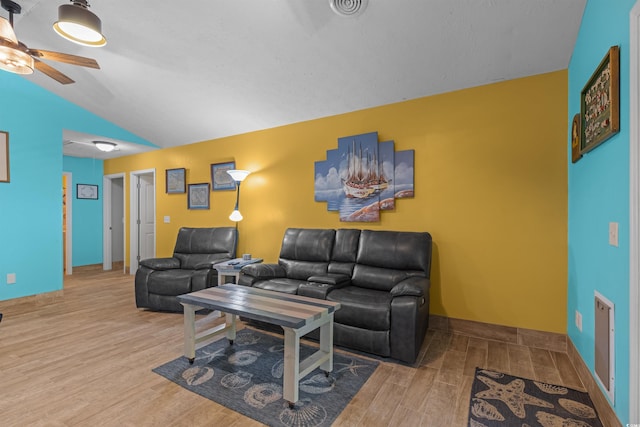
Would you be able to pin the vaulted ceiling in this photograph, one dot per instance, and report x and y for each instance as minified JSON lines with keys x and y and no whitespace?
{"x":181,"y":72}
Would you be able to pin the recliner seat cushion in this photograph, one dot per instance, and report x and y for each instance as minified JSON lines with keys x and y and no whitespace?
{"x":362,"y":308}
{"x":289,"y":286}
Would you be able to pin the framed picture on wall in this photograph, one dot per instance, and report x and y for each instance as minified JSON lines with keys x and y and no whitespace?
{"x":4,"y":156}
{"x":600,"y":103}
{"x":198,"y":196}
{"x":87,"y":191}
{"x":220,"y":179}
{"x":176,"y":180}
{"x":575,"y":139}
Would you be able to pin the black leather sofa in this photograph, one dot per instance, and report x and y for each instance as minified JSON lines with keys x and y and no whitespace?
{"x":159,"y":280}
{"x":380,"y":278}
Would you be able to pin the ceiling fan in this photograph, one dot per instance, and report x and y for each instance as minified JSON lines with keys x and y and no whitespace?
{"x":15,"y":56}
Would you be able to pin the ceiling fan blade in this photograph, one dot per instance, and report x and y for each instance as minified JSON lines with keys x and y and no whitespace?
{"x":65,"y":57}
{"x":52,"y":72}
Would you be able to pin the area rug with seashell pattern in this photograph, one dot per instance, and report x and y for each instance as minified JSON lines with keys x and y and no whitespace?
{"x":499,"y":399}
{"x":247,"y":378}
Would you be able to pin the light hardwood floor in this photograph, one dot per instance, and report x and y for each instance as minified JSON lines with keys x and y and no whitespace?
{"x":84,"y":359}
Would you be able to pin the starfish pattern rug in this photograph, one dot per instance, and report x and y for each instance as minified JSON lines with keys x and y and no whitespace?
{"x":499,"y":399}
{"x":247,"y":378}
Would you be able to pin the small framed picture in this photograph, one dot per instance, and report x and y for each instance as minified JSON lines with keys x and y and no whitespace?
{"x":198,"y":196}
{"x":87,"y":191}
{"x":176,"y":181}
{"x":575,"y":139}
{"x":220,"y":179}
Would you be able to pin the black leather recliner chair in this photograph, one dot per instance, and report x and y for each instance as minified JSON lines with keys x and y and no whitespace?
{"x":159,"y":280}
{"x":380,"y":278}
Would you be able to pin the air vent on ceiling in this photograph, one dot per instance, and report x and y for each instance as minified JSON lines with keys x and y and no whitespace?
{"x":348,"y":8}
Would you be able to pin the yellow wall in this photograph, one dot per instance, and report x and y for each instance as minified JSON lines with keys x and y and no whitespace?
{"x":490,"y":186}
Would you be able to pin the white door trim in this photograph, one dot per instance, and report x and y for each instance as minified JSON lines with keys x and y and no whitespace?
{"x":133,"y":215}
{"x":634,"y":215}
{"x":107,"y":181}
{"x":69,"y":241}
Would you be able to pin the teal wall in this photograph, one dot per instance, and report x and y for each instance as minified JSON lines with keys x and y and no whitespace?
{"x":599,"y":194}
{"x":86,"y":214}
{"x":31,"y":204}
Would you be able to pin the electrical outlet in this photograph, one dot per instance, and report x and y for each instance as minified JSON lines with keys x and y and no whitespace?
{"x":11,"y":278}
{"x":167,"y":219}
{"x":578,"y":320}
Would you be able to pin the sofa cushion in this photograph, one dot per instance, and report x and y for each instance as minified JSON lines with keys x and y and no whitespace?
{"x":362,"y":308}
{"x":289,"y":286}
{"x":396,"y":250}
{"x":345,"y":250}
{"x":302,"y":270}
{"x":381,"y":279}
{"x":170,"y":282}
{"x":196,"y":246}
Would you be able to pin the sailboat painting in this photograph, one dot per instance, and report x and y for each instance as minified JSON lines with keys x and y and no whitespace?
{"x":358,"y":180}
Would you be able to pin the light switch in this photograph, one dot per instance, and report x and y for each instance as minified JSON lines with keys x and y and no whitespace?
{"x":167,"y":219}
{"x":613,"y":234}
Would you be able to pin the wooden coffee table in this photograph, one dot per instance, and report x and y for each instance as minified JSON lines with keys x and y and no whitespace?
{"x":296,"y":315}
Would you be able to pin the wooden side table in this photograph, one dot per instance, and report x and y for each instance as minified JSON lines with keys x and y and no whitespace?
{"x":232,"y":268}
{"x":224,"y":273}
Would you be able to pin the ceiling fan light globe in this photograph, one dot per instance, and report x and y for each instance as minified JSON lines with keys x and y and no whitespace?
{"x":79,"y":25}
{"x":15,"y":61}
{"x":6,"y":31}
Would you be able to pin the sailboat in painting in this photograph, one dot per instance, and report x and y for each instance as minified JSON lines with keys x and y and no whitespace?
{"x":364,"y":177}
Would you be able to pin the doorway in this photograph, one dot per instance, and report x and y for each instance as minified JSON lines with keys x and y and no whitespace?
{"x":634,"y":214}
{"x":142,"y":217}
{"x":67,"y":232}
{"x":113,"y":221}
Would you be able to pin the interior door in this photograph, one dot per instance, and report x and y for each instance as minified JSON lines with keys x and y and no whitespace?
{"x":146,"y":229}
{"x":117,"y":220}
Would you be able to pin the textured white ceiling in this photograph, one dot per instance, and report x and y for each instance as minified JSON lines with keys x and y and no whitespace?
{"x":182,"y":72}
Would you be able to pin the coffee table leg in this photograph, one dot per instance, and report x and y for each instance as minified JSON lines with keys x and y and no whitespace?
{"x":326,"y":344}
{"x":230,"y":321}
{"x":291,"y":366}
{"x":190,"y":332}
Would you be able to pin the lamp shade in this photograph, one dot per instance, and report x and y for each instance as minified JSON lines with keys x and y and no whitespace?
{"x":78,"y":24}
{"x":236,"y":216}
{"x":105,"y":146}
{"x":238,"y":175}
{"x":13,"y":59}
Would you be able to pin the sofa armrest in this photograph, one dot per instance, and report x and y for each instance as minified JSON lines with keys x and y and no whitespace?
{"x":413,"y":286}
{"x":161,"y":263}
{"x":264,"y":271}
{"x":336,"y":280}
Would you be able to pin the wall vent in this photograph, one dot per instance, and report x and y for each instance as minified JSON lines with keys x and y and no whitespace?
{"x":604,"y":344}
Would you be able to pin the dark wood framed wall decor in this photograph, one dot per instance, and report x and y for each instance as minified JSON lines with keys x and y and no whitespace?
{"x":600,"y":103}
{"x":198,"y":196}
{"x":575,"y":139}
{"x":220,"y":179}
{"x":176,"y":180}
{"x":4,"y":156}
